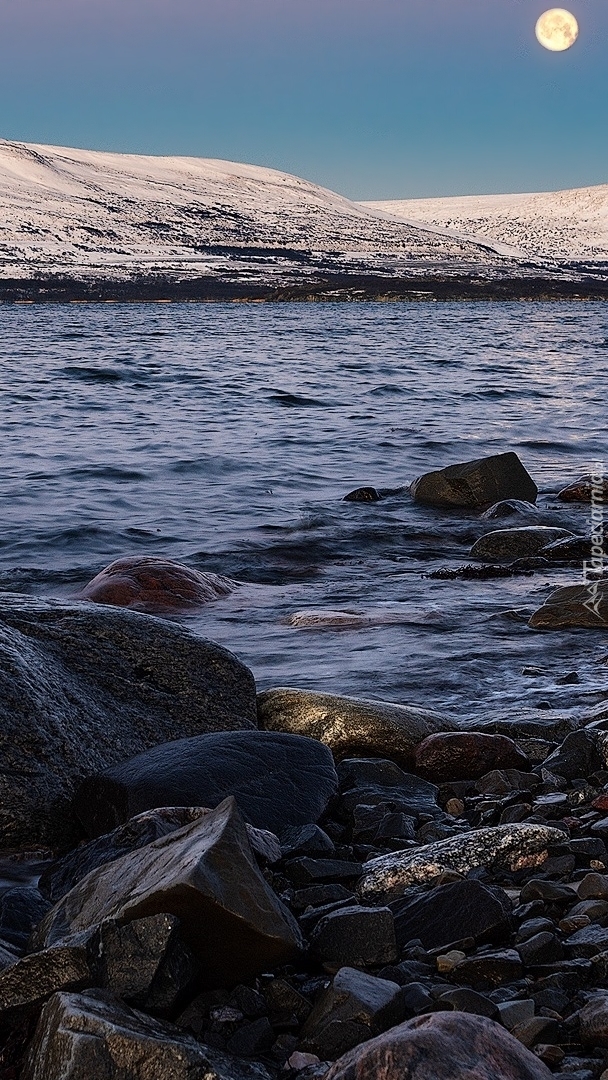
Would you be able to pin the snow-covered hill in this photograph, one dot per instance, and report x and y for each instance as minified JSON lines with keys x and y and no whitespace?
{"x":86,"y":213}
{"x":560,"y":225}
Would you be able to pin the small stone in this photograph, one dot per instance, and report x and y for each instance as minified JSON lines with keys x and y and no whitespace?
{"x":448,"y":961}
{"x":355,"y":936}
{"x":587,"y":942}
{"x":317,"y":895}
{"x":550,"y":1054}
{"x":306,"y":840}
{"x":461,"y":999}
{"x":572,"y":923}
{"x":490,"y":969}
{"x":578,"y":755}
{"x":284,"y":1001}
{"x":593,"y":887}
{"x":346,"y":1013}
{"x":512,"y":1013}
{"x":537,"y":1029}
{"x":451,"y":912}
{"x":252,"y":1039}
{"x":455,"y":807}
{"x":299,"y":1061}
{"x":305,"y":871}
{"x":552,"y":892}
{"x":543,"y":948}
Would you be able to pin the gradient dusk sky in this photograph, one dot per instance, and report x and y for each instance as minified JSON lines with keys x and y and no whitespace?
{"x":374,"y":98}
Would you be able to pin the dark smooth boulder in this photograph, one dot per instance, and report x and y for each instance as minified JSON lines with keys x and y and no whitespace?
{"x":476,"y":484}
{"x":207,"y":876}
{"x":363,"y":494}
{"x":466,"y":755}
{"x":355,"y":1006}
{"x":571,"y":551}
{"x":572,"y":606}
{"x":350,"y":726}
{"x":156,"y":586}
{"x":356,"y":937}
{"x":510,"y":508}
{"x":507,"y":544}
{"x":442,"y":1046}
{"x":453,"y":912}
{"x":279,"y":781}
{"x":373,"y":782}
{"x":82,"y":687}
{"x":578,"y":756}
{"x":581,"y":490}
{"x":95,"y":1036}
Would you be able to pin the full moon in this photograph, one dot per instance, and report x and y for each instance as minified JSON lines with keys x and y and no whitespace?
{"x":557,"y":29}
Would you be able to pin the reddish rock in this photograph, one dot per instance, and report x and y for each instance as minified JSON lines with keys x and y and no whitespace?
{"x":441,"y":1046}
{"x":581,"y":490}
{"x":574,"y":605}
{"x":156,"y":586}
{"x":466,"y":755}
{"x":478,"y":483}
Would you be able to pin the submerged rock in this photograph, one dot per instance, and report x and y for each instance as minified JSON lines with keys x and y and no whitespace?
{"x":363,"y":494}
{"x":278,"y":780}
{"x":466,"y":755}
{"x":518,"y":543}
{"x":348,"y":1012}
{"x":206,"y":875}
{"x":350,"y":726}
{"x":476,"y":484}
{"x":157,"y":586}
{"x":387,"y":877}
{"x":510,"y":508}
{"x":572,"y":606}
{"x":461,"y":909}
{"x":82,"y":687}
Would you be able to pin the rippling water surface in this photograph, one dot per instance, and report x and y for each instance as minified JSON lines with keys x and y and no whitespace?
{"x":227,"y":435}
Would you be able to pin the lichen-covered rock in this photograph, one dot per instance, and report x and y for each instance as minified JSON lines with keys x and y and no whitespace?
{"x":350,"y":726}
{"x":572,"y":606}
{"x":466,"y":755}
{"x":476,"y":484}
{"x":206,"y":875}
{"x":508,"y":544}
{"x":157,"y":586}
{"x":510,"y":846}
{"x":82,"y":687}
{"x":441,"y":1046}
{"x":278,"y":780}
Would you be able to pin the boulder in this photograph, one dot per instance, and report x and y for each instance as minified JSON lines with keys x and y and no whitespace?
{"x":377,"y":782}
{"x":476,"y":484}
{"x":509,"y":846}
{"x":578,"y":756}
{"x":581,"y":490}
{"x":441,"y":1046}
{"x":574,"y":605}
{"x":279,"y":781}
{"x":355,"y":937}
{"x":95,"y":1036}
{"x":349,"y":1011}
{"x":593,"y":1020}
{"x":34,"y":978}
{"x":572,"y":550}
{"x":350,"y":726}
{"x":363,"y":494}
{"x":206,"y":875}
{"x":466,"y":755}
{"x":510,"y":508}
{"x":157,"y":586}
{"x":507,"y":544}
{"x":146,"y":962}
{"x":82,"y":687}
{"x":453,"y":912}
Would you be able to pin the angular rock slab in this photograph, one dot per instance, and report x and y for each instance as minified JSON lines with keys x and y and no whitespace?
{"x":96,"y":1037}
{"x":441,"y":1046}
{"x":574,"y":605}
{"x":350,"y":1010}
{"x":477,"y":484}
{"x":206,"y":875}
{"x":511,"y":846}
{"x":507,"y":544}
{"x":82,"y":687}
{"x":351,"y":727}
{"x":156,"y":586}
{"x":278,"y":780}
{"x":466,"y":755}
{"x":451,"y":913}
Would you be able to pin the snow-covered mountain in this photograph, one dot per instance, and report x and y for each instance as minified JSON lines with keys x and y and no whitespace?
{"x":560,"y":225}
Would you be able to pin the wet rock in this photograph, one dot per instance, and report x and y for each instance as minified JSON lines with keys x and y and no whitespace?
{"x":82,"y":687}
{"x":305,"y":871}
{"x":442,"y":1046}
{"x":388,"y":876}
{"x":362,"y":494}
{"x":34,"y":978}
{"x":539,"y":1029}
{"x":376,"y":824}
{"x":279,"y":781}
{"x":573,"y":550}
{"x":525,"y":724}
{"x":462,"y":999}
{"x":355,"y":937}
{"x":348,"y":1012}
{"x":578,"y":756}
{"x":95,"y":1036}
{"x":155,"y":585}
{"x":542,"y":948}
{"x":587,"y":942}
{"x":581,"y":490}
{"x":507,"y":544}
{"x":350,"y":726}
{"x":21,"y":909}
{"x":593,"y":1021}
{"x":572,"y":606}
{"x":550,"y":892}
{"x":375,"y":782}
{"x":485,"y":970}
{"x":451,"y":913}
{"x":307,"y":840}
{"x":476,"y":484}
{"x":512,"y":1013}
{"x":593,"y":887}
{"x":510,"y":508}
{"x":466,"y":755}
{"x":146,"y":962}
{"x":206,"y":875}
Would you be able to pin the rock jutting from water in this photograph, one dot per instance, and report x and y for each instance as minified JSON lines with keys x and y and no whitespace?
{"x":155,"y":585}
{"x":476,"y":484}
{"x":574,"y":606}
{"x":582,"y":490}
{"x":363,"y":494}
{"x":508,"y":544}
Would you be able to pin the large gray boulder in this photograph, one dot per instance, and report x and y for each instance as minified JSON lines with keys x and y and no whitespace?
{"x":574,"y":606}
{"x":207,"y":876}
{"x":96,"y":1037}
{"x":502,"y":545}
{"x":82,"y":687}
{"x":351,"y":727}
{"x":476,"y":484}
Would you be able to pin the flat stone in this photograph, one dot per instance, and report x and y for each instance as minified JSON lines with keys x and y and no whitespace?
{"x":551,"y":892}
{"x":307,"y":840}
{"x":305,"y":871}
{"x":476,"y":484}
{"x":462,"y":999}
{"x":83,"y":687}
{"x":508,"y":544}
{"x":512,"y":1013}
{"x":350,"y":726}
{"x":508,"y":846}
{"x":451,"y":913}
{"x":349,"y":1011}
{"x":538,"y":1029}
{"x":155,"y":585}
{"x":279,"y":781}
{"x":466,"y":755}
{"x":355,"y":937}
{"x":95,"y":1036}
{"x":442,"y":1046}
{"x":381,"y":783}
{"x":542,"y":948}
{"x":572,"y":606}
{"x":587,"y":942}
{"x":486,"y":970}
{"x":206,"y":875}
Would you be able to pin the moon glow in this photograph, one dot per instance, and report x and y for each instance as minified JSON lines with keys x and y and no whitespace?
{"x":557,"y":29}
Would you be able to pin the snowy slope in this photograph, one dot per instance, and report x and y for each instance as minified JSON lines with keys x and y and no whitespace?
{"x":86,"y":213}
{"x":560,"y":225}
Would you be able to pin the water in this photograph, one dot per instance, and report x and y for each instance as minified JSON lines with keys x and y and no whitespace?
{"x":226,"y":436}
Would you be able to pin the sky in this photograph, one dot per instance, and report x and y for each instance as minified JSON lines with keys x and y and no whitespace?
{"x":377,"y":99}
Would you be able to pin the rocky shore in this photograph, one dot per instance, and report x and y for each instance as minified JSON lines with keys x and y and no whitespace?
{"x":204,"y":881}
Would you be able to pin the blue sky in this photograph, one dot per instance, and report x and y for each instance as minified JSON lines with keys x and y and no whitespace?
{"x":374,"y":98}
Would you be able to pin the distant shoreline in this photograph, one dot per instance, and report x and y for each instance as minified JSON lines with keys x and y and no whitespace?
{"x":322,"y":288}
